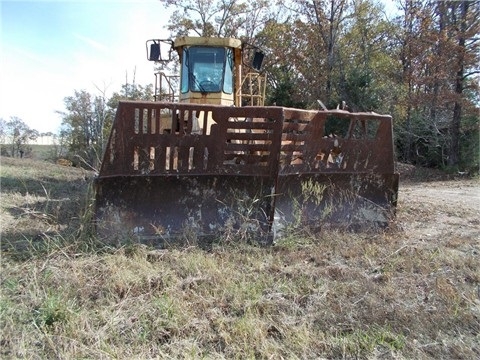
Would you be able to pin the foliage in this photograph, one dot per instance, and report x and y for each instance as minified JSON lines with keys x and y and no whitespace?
{"x":3,"y":130}
{"x":87,"y":122}
{"x":366,"y":60}
{"x":16,"y":134}
{"x":217,"y":18}
{"x":83,"y":126}
{"x":439,"y":54}
{"x":284,"y":93}
{"x":131,"y":92}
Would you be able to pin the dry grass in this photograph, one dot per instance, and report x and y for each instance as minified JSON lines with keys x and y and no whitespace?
{"x":41,"y":200}
{"x":407,"y":293}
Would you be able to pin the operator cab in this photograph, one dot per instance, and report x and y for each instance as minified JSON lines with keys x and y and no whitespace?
{"x":211,"y":70}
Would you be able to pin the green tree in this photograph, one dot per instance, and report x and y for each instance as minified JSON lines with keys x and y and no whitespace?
{"x":366,"y":59}
{"x":88,"y":119}
{"x":85,"y":122}
{"x":18,"y":133}
{"x":3,"y":130}
{"x":284,"y":92}
{"x":131,"y":92}
{"x":320,"y":24}
{"x":463,"y":27}
{"x":440,"y":56}
{"x":76,"y":127}
{"x":334,"y":51}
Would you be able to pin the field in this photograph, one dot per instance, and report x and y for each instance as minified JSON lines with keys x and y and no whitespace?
{"x":411,"y":292}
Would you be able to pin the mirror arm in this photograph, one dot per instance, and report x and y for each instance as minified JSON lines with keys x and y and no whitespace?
{"x":154,"y":52}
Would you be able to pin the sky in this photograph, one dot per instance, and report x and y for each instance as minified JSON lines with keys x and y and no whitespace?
{"x":49,"y":49}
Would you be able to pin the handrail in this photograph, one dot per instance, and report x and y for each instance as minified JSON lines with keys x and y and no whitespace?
{"x":166,"y":87}
{"x":252,"y":90}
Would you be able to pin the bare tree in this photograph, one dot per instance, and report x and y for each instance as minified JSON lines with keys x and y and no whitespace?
{"x":217,"y":18}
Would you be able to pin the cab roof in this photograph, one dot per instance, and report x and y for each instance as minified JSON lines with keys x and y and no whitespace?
{"x":207,"y":41}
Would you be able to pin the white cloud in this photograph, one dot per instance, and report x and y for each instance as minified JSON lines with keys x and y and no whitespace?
{"x":94,"y":44}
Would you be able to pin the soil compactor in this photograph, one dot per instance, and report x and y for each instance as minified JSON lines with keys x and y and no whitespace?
{"x":200,"y":163}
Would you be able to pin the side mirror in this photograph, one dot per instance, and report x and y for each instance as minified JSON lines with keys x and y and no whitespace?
{"x":159,"y":50}
{"x":154,"y":52}
{"x":258,"y":60}
{"x":252,"y":56}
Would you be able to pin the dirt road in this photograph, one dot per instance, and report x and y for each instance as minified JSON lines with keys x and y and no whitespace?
{"x":441,"y":209}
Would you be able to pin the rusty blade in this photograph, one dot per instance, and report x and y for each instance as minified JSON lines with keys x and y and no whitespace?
{"x":199,"y":207}
{"x":356,"y":202}
{"x":172,"y":169}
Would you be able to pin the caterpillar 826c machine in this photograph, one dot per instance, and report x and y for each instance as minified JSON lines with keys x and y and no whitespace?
{"x":211,"y":159}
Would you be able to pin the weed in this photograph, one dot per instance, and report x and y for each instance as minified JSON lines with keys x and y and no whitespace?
{"x":53,"y":310}
{"x":362,"y":342}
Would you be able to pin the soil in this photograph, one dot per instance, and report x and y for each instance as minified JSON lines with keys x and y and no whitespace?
{"x":440,"y":209}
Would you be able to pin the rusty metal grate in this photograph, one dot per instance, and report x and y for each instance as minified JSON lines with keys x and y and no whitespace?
{"x":201,"y":139}
{"x":169,"y":165}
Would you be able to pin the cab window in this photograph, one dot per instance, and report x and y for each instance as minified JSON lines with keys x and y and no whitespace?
{"x":207,"y":69}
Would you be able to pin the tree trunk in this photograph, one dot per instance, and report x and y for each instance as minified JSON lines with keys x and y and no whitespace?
{"x":454,"y":153}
